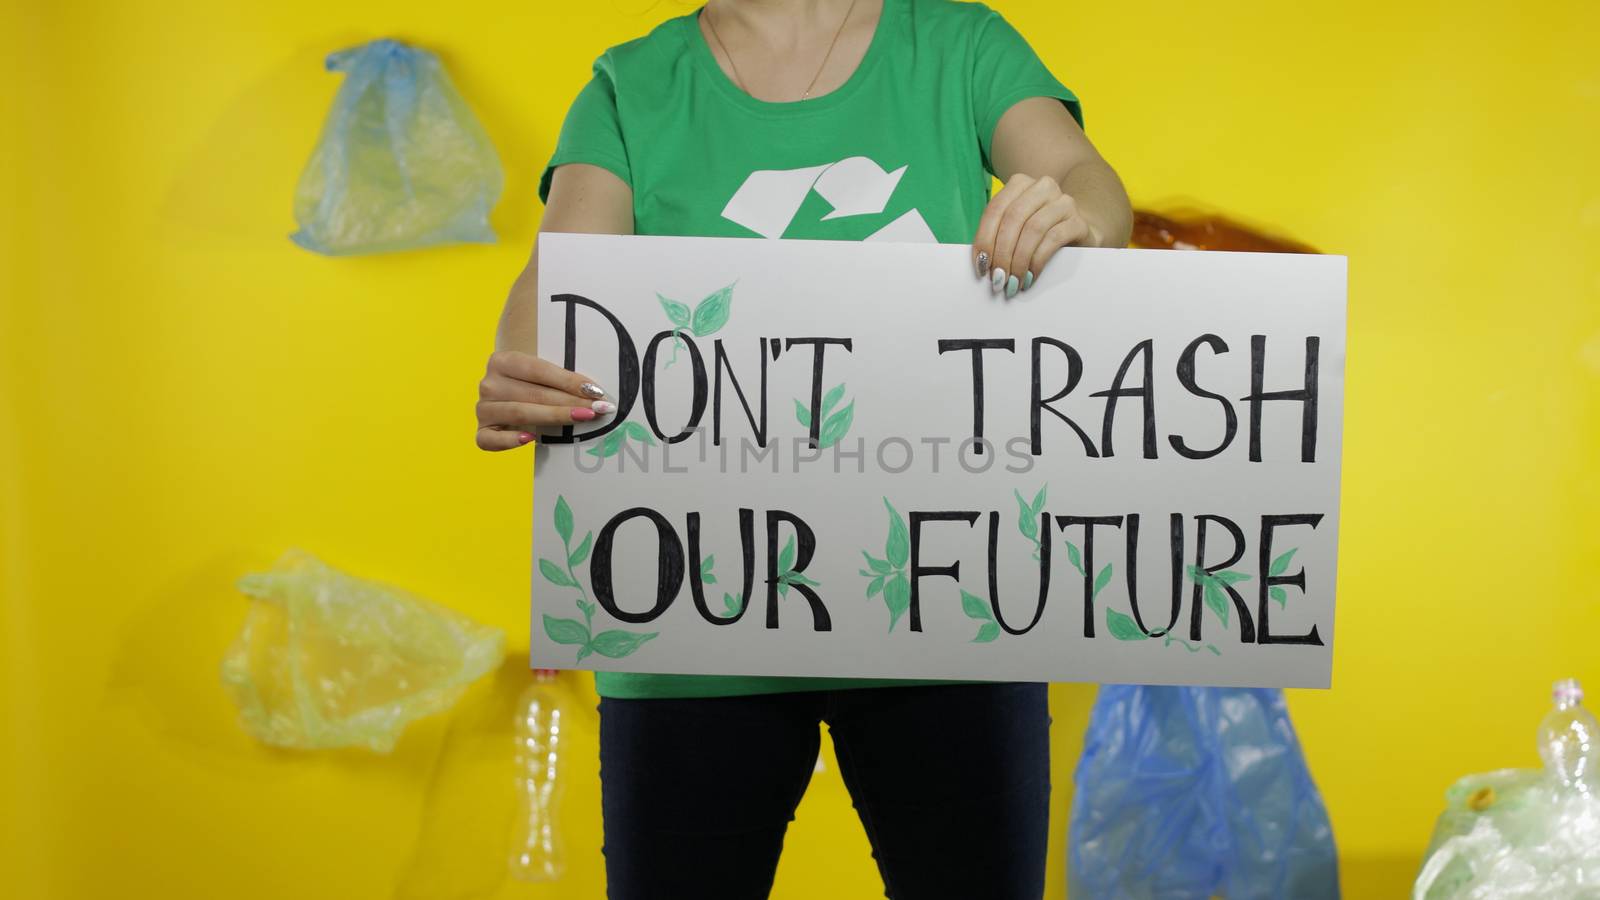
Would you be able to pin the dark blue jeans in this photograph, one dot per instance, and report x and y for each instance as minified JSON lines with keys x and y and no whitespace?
{"x":952,"y":783}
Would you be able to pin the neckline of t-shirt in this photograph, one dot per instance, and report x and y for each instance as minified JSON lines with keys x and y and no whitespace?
{"x":701,"y":51}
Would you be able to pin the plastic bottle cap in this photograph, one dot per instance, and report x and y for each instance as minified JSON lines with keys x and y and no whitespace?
{"x":1568,"y":690}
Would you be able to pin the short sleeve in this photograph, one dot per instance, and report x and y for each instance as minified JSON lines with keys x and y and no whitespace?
{"x":1006,"y":71}
{"x":592,"y":132}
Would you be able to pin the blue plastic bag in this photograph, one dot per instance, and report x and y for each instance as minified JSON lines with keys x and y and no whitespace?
{"x":401,"y":163}
{"x":1189,"y":793}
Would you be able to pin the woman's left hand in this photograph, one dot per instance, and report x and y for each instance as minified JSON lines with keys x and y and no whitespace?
{"x":1023,"y":226}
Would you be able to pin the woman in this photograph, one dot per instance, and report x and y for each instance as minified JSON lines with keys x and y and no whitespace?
{"x":725,"y":122}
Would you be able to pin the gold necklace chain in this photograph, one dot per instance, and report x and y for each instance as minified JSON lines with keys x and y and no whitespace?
{"x":705,"y":13}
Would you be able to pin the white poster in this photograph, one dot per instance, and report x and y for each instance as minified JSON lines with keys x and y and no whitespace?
{"x":853,"y":459}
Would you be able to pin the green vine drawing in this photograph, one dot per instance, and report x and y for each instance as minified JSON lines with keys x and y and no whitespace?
{"x":1121,"y":625}
{"x":786,"y":573}
{"x":613,"y":441}
{"x":708,"y":316}
{"x":975,"y":608}
{"x":888,"y":575}
{"x":614,"y":643}
{"x":1123,"y":628}
{"x":1213,"y":585}
{"x":1028,"y":517}
{"x":835,"y":425}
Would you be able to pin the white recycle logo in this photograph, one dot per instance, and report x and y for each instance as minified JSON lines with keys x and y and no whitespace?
{"x":855,"y":186}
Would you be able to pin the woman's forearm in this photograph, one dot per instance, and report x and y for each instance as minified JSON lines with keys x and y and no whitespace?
{"x":519,"y":320}
{"x":583,"y":199}
{"x":1102,"y":201}
{"x":1039,"y":138}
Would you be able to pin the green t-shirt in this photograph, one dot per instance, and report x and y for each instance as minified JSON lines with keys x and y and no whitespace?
{"x":899,"y":152}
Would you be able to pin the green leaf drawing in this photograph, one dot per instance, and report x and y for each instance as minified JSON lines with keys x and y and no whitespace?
{"x":706,"y":576}
{"x":1215,"y":583}
{"x":1028,"y":518}
{"x":638,"y":432}
{"x":613,"y":644}
{"x":582,"y":553}
{"x":875,"y":586}
{"x":711,"y":313}
{"x":897,"y":596}
{"x":877,"y":565}
{"x":987,"y":632}
{"x":555,"y":574}
{"x":1280,"y":595}
{"x":832,"y":398}
{"x":786,"y":556}
{"x":833,"y":427}
{"x":609,"y":445}
{"x":731,"y":603}
{"x":566,"y":631}
{"x":563,"y":519}
{"x":897,"y":548}
{"x":1281,"y":564}
{"x":1027,"y":522}
{"x":793,"y":577}
{"x":1216,"y":602}
{"x":1074,"y":558}
{"x":974,"y":607}
{"x":613,"y":441}
{"x":836,"y":426}
{"x":677,"y":313}
{"x":617,"y":644}
{"x":1103,"y":579}
{"x":1122,"y":627}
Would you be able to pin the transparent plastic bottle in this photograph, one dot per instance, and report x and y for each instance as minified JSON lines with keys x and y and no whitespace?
{"x":536,"y":843}
{"x":1569,"y":741}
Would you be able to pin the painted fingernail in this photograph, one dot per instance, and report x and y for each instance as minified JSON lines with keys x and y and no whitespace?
{"x":524,"y":438}
{"x":1027,"y":279}
{"x":603,"y":407}
{"x":582,"y":414}
{"x":1011,"y":286}
{"x":590,"y":389}
{"x":983,"y":263}
{"x":997,"y":280}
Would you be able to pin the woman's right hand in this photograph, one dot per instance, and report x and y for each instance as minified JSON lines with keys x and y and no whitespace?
{"x":520,"y":392}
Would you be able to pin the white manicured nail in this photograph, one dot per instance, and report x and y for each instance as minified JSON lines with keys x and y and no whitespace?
{"x":603,"y":407}
{"x":997,"y":280}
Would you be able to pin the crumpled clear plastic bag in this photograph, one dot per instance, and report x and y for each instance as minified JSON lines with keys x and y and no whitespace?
{"x":329,"y":660}
{"x":402,"y":162}
{"x":1187,"y":793}
{"x":1513,"y":834}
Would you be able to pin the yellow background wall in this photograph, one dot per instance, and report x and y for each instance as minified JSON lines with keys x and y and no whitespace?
{"x":187,"y":394}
